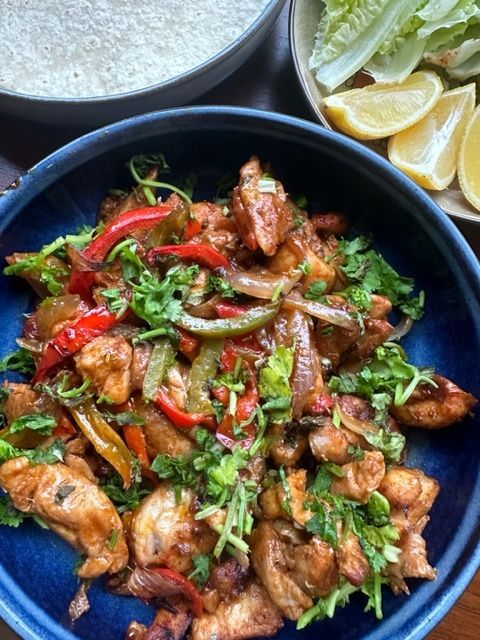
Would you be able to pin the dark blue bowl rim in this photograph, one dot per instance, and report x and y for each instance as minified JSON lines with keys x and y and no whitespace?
{"x":90,"y":145}
{"x":272,"y":8}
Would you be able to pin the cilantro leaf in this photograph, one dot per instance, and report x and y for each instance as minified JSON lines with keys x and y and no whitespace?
{"x":202,"y":568}
{"x":316,"y":290}
{"x":323,"y":524}
{"x":124,"y":499}
{"x":142,"y":163}
{"x":274,"y":384}
{"x":39,"y":422}
{"x":326,"y":607}
{"x":159,"y":302}
{"x":123,"y":417}
{"x":20,"y":360}
{"x":367,"y":268}
{"x":9,"y":515}
{"x":224,"y":288}
{"x":391,"y":444}
{"x":116,"y":300}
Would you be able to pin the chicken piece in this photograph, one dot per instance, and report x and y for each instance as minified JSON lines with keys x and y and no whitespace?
{"x":227,"y":580}
{"x":412,"y":562}
{"x":303,"y":245}
{"x":251,"y":614}
{"x":263,"y":219}
{"x":330,"y":223}
{"x":381,"y":306}
{"x":287,"y":447}
{"x":332,"y":341}
{"x":410,"y":493}
{"x":352,"y":563}
{"x":314,"y":568}
{"x":276,"y":504}
{"x":73,"y":507}
{"x":268,"y":557}
{"x":140,"y":360}
{"x":164,"y":532}
{"x":435,"y":407}
{"x":23,"y":400}
{"x":176,"y":381}
{"x":106,"y":362}
{"x":160,"y":434}
{"x":255,"y":470}
{"x":218,"y":230}
{"x":167,"y":625}
{"x":329,"y":444}
{"x":375,"y":334}
{"x":360,"y":477}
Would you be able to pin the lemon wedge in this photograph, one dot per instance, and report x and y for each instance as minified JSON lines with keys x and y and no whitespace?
{"x":380,"y":110}
{"x":428,"y":151}
{"x":469,"y":161}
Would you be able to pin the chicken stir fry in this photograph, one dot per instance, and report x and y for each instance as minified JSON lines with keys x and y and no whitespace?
{"x":216,"y":410}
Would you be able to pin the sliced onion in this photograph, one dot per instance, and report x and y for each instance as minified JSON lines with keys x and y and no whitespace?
{"x":402,"y":328}
{"x":206,"y":309}
{"x":144,"y":584}
{"x":307,"y":366}
{"x":261,"y":284}
{"x":35,"y":346}
{"x":80,"y":603}
{"x":357,"y":425}
{"x":338,"y":317}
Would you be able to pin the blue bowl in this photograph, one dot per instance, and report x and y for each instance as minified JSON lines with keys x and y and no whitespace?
{"x":64,"y":191}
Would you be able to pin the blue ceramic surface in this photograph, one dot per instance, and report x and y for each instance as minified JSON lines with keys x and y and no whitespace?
{"x":64,"y":191}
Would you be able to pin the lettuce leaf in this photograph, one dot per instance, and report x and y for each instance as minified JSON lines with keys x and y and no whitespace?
{"x":333,"y":73}
{"x":397,"y":66}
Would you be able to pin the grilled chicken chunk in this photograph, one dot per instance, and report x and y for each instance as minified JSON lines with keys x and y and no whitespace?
{"x":226,"y":581}
{"x":435,"y":407}
{"x":23,"y":400}
{"x":268,"y":556}
{"x":164,"y":531}
{"x":218,"y":230}
{"x":275,"y":503}
{"x":160,"y":434}
{"x":314,"y":568}
{"x":251,"y":614}
{"x":167,"y":625}
{"x":360,"y":477}
{"x":73,"y":507}
{"x":263,"y":219}
{"x":352,"y":563}
{"x":106,"y":362}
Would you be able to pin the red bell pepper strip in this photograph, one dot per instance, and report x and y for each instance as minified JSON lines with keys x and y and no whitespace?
{"x":124,"y":224}
{"x":323,"y":405}
{"x":188,"y":344}
{"x":193,"y":228}
{"x":204,"y":254}
{"x":135,"y":439}
{"x":229,"y":309}
{"x":76,"y":335}
{"x":181,"y":419}
{"x":64,"y":427}
{"x":186,"y":588}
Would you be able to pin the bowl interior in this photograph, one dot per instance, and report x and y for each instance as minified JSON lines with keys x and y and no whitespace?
{"x":64,"y":192}
{"x":304,"y":19}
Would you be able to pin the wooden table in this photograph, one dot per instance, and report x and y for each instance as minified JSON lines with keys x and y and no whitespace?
{"x":267,"y":81}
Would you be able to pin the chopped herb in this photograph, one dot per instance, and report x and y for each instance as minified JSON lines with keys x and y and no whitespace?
{"x":20,"y":360}
{"x":159,"y":302}
{"x":316,"y":291}
{"x":267,"y":184}
{"x":278,"y":291}
{"x":287,"y":503}
{"x":116,"y":300}
{"x":113,"y":539}
{"x":9,"y":515}
{"x":326,"y":607}
{"x":124,"y":499}
{"x":216,"y":283}
{"x":39,"y":422}
{"x":327,"y":331}
{"x":305,"y":267}
{"x":356,"y":452}
{"x":369,"y":269}
{"x":202,"y":569}
{"x":301,"y":201}
{"x":80,"y":561}
{"x":63,"y":492}
{"x":274,"y":384}
{"x":357,"y":296}
{"x":54,"y":453}
{"x":123,"y":417}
